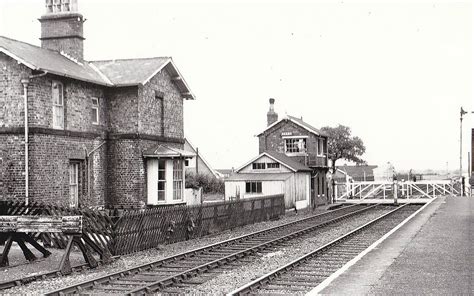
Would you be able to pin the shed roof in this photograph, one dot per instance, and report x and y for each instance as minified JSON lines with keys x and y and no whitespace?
{"x":259,"y":177}
{"x":280,"y":158}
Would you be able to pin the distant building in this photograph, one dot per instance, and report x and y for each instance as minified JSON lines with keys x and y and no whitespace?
{"x":355,"y":173}
{"x":289,"y":141}
{"x":271,"y":173}
{"x":225,"y":173}
{"x":385,"y":172}
{"x":197,"y":164}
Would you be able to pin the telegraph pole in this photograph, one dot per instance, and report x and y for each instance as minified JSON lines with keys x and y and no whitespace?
{"x":460,"y":142}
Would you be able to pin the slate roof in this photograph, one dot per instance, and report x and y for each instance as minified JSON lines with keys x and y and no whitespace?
{"x":126,"y":72}
{"x":167,"y":152}
{"x":42,"y":59}
{"x":282,"y":159}
{"x":307,"y":125}
{"x":299,"y":122}
{"x":259,"y":177}
{"x":114,"y":73}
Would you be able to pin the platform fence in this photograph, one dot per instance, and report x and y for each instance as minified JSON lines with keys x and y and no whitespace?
{"x":140,"y":229}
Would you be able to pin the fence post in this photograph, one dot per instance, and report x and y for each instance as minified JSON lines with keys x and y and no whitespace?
{"x":272,"y":211}
{"x":395,"y":192}
{"x":252,"y":211}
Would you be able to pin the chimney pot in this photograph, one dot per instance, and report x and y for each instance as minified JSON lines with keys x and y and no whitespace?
{"x":62,"y":28}
{"x":272,"y":116}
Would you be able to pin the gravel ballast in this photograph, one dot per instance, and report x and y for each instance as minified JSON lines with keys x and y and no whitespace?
{"x":126,"y":261}
{"x":229,"y":280}
{"x":220,"y":282}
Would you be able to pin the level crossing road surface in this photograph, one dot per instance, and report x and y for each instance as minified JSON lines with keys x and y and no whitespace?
{"x":433,"y":254}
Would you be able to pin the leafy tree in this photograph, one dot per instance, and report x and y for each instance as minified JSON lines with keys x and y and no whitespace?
{"x":208,"y":183}
{"x":342,"y":145}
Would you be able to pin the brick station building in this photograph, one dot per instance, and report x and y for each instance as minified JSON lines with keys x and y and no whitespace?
{"x":98,"y":132}
{"x":290,"y":150}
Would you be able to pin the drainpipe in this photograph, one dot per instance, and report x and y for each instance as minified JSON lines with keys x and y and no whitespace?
{"x":25,"y":83}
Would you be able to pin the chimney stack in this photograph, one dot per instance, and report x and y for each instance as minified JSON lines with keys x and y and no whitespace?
{"x":272,"y":116}
{"x":62,"y":28}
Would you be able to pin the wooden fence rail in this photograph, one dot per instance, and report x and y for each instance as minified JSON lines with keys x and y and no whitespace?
{"x":137,"y":230}
{"x":97,"y":226}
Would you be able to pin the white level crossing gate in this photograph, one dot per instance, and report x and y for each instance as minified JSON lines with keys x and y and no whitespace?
{"x":405,"y":190}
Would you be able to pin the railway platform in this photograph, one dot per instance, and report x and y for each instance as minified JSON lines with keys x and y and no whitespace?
{"x":431,"y":254}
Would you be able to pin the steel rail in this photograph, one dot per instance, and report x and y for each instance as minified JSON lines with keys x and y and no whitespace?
{"x":56,"y":273}
{"x":83,"y":286}
{"x":43,"y":276}
{"x":169,"y":281}
{"x":267,"y":278}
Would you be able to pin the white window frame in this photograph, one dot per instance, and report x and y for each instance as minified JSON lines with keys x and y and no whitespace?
{"x":161,"y":181}
{"x":65,"y":5}
{"x":273,"y":165}
{"x":49,"y":6}
{"x":253,"y":187}
{"x":58,"y":105}
{"x":296,"y":146}
{"x":178,"y":180}
{"x":95,"y":109}
{"x":258,"y":166}
{"x":320,"y":147}
{"x":73,"y":184}
{"x":57,"y":5}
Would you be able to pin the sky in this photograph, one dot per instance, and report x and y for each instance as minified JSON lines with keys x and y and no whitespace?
{"x":395,"y":72}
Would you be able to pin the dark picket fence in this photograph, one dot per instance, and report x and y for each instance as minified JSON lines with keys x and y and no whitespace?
{"x":137,"y":230}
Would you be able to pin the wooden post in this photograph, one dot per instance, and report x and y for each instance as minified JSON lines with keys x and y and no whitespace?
{"x":395,"y":192}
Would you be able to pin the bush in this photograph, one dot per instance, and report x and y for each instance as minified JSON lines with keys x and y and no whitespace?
{"x":208,"y":183}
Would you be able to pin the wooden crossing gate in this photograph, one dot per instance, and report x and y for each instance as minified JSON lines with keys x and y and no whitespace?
{"x":408,"y":190}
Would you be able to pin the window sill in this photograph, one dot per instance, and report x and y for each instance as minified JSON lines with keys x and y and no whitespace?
{"x":163,"y":203}
{"x":296,"y":154}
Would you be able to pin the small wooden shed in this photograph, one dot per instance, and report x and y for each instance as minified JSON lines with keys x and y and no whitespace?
{"x":271,"y":173}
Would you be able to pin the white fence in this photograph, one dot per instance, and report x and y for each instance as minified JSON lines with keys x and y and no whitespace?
{"x":404,"y":190}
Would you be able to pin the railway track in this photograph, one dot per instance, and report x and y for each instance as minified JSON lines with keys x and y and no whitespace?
{"x":172,"y":271}
{"x":43,"y":276}
{"x":305,"y":273}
